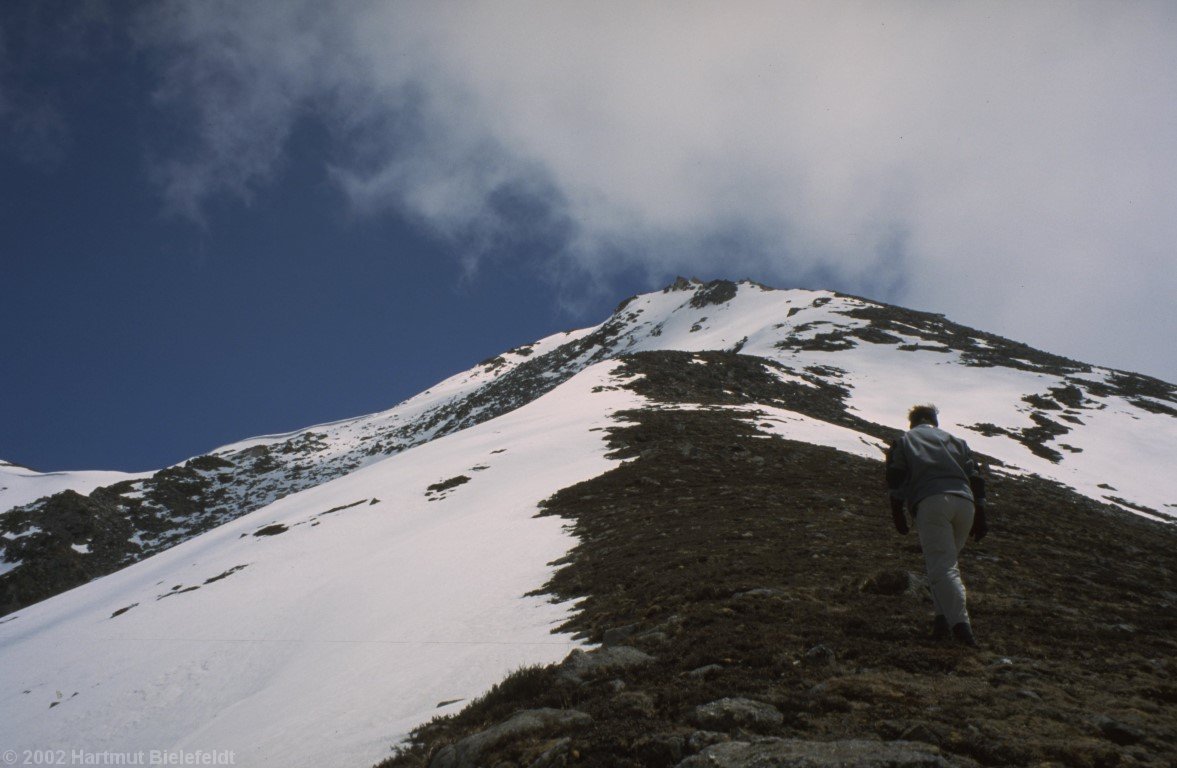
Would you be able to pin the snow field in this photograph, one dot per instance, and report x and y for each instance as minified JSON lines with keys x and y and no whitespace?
{"x":342,"y":632}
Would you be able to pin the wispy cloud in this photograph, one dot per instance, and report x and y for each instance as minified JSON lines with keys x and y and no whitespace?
{"x":1012,"y":164}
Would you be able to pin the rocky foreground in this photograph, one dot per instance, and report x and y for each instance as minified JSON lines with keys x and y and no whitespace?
{"x":755,"y":607}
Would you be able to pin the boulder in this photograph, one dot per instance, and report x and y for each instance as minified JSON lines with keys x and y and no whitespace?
{"x":634,"y":704}
{"x":705,"y":671}
{"x":820,"y":656}
{"x":726,"y":714}
{"x":895,"y":583}
{"x":581,"y":666}
{"x":618,"y":635}
{"x":466,"y":753}
{"x":555,"y":756}
{"x":700,"y":740}
{"x":659,"y":749}
{"x":796,"y":753}
{"x":1122,"y":732}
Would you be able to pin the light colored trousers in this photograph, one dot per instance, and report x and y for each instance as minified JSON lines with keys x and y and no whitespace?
{"x":943,"y":522}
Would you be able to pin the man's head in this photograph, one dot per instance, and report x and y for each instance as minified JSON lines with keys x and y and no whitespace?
{"x":923,"y":414}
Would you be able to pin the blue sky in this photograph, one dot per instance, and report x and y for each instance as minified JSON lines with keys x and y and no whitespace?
{"x":137,"y":337}
{"x":228,"y":219}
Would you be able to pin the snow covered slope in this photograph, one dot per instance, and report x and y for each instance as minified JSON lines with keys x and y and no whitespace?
{"x":314,"y":595}
{"x":77,"y":534}
{"x":1109,"y":434}
{"x":318,"y":629}
{"x":21,"y":485}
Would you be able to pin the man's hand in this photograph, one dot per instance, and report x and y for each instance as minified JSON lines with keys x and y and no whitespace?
{"x":980,"y":523}
{"x":897,"y":515}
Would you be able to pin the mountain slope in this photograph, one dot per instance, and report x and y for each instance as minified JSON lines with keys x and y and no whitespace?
{"x":316,"y":630}
{"x":781,"y":614}
{"x":1036,"y":398}
{"x":66,"y":539}
{"x":739,"y":533}
{"x":1027,"y":409}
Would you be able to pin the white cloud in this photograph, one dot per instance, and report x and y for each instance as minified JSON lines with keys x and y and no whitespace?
{"x":1012,"y":164}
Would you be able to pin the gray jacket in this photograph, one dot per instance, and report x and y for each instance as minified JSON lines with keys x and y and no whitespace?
{"x":926,"y":461}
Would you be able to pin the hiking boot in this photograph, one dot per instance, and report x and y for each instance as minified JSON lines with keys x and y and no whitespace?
{"x":940,"y":629}
{"x":964,"y":633}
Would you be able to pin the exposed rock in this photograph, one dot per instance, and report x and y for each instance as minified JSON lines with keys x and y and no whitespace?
{"x":465,"y":754}
{"x":700,"y":740}
{"x":618,"y":635}
{"x":682,"y":284}
{"x":762,"y":591}
{"x":634,"y":704}
{"x":653,"y":638}
{"x":581,"y":666}
{"x":820,"y":656}
{"x":123,"y":610}
{"x":554,"y":756}
{"x":920,"y":732}
{"x":795,"y":753}
{"x":714,"y":292}
{"x":705,"y":671}
{"x":660,"y":749}
{"x":446,"y":485}
{"x":895,"y":583}
{"x":726,"y":714}
{"x":1118,"y":731}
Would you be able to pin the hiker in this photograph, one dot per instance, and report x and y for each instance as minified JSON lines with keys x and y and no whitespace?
{"x":936,"y":475}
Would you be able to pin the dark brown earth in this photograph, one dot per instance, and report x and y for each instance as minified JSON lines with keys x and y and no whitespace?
{"x":768,"y":569}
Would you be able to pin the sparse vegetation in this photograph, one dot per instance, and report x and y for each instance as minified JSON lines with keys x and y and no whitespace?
{"x":123,"y":610}
{"x":342,"y":507}
{"x":226,"y":574}
{"x":446,"y":485}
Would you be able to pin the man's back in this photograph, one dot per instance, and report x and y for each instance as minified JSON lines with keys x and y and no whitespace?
{"x":926,"y":460}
